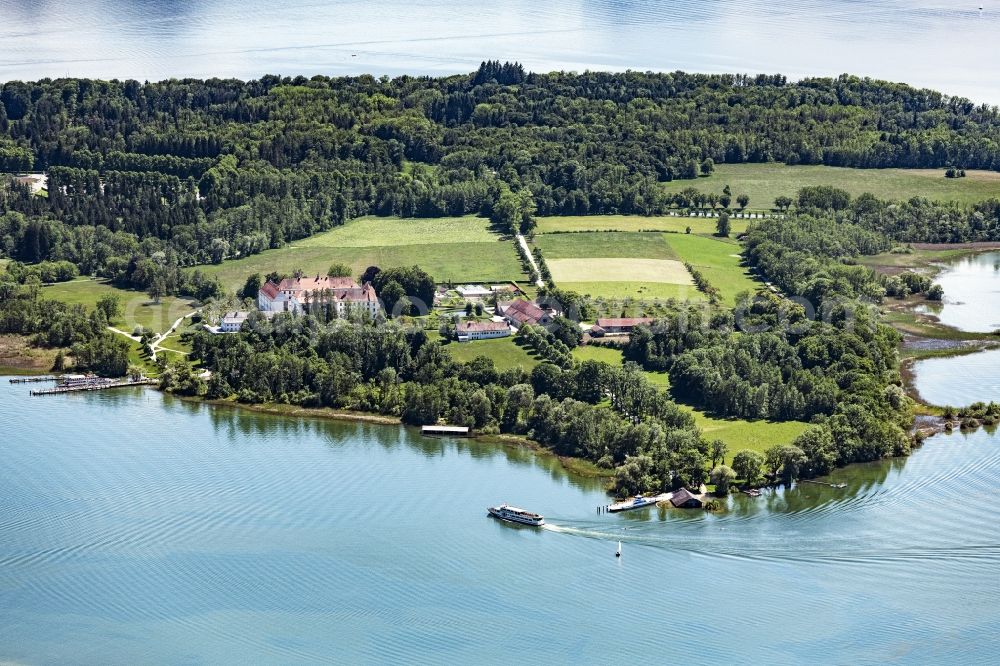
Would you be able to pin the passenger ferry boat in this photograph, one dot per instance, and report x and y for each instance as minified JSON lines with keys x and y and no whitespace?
{"x":515,"y":515}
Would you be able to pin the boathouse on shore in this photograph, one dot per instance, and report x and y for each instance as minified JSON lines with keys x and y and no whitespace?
{"x":685,"y":499}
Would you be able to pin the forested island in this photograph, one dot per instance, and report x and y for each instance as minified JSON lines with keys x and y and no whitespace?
{"x":156,"y":186}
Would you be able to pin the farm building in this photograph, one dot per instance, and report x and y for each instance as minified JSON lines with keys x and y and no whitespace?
{"x":521,"y":312}
{"x":481,"y":330}
{"x":684,"y":498}
{"x":298,"y":294}
{"x":617,"y":326}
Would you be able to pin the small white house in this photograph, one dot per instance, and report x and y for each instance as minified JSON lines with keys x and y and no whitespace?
{"x":233,"y":322}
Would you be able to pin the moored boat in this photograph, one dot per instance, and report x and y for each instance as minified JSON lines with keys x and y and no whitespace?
{"x":638,"y":502}
{"x":516,"y":515}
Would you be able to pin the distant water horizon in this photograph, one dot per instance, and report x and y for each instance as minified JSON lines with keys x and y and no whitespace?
{"x":944,"y":45}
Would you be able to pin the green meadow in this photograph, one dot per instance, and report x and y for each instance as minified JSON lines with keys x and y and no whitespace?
{"x":668,"y":223}
{"x":506,"y":354}
{"x":640,"y":245}
{"x":450,"y":249}
{"x":391,"y":231}
{"x":137,"y":307}
{"x":614,"y":264}
{"x":764,"y":182}
{"x":718,"y":259}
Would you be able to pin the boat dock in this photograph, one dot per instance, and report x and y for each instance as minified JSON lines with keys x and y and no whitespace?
{"x":26,"y":380}
{"x":638,"y":502}
{"x":452,"y":431}
{"x":94,"y":386}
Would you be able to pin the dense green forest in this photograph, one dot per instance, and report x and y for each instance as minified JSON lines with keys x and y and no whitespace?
{"x":183,"y":172}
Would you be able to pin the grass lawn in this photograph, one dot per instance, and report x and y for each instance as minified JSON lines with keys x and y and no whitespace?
{"x":604,"y":245}
{"x":699,"y":225}
{"x":641,"y":291}
{"x":764,"y":182}
{"x":451,"y":249}
{"x":137,"y":308}
{"x":504,"y":352}
{"x":718,"y":260}
{"x":739,"y":434}
{"x":614,"y":357}
{"x":392,"y":231}
{"x":496,"y":261}
{"x":614,"y":264}
{"x":618,"y":269}
{"x":598,"y":353}
{"x":173,"y":342}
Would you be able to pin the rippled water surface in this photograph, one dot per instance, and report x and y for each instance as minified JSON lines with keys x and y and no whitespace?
{"x":944,"y":44}
{"x":135,"y":528}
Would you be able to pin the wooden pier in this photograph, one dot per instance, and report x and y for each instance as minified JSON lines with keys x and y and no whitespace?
{"x":94,"y":386}
{"x":444,"y":430}
{"x":26,"y":380}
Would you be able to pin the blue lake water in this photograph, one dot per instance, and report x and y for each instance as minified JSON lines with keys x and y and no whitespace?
{"x":135,"y":528}
{"x":943,"y":44}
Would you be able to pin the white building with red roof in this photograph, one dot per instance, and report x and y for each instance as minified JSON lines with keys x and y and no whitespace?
{"x":300,"y":294}
{"x":481,"y":330}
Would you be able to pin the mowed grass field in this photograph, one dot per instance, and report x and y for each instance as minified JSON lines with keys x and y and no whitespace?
{"x":739,"y":434}
{"x":638,"y":245}
{"x":669,"y":223}
{"x":389,"y":231}
{"x":613,"y":264}
{"x":137,"y":307}
{"x":764,"y":182}
{"x":718,"y":259}
{"x":504,"y":352}
{"x":450,"y":249}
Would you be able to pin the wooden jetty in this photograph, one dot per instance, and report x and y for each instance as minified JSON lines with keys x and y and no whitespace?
{"x":40,"y":378}
{"x":444,"y":430}
{"x":95,"y":386}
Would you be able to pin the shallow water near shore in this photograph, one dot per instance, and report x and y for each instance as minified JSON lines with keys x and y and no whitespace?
{"x":135,"y":528}
{"x":971,"y":303}
{"x":971,"y":293}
